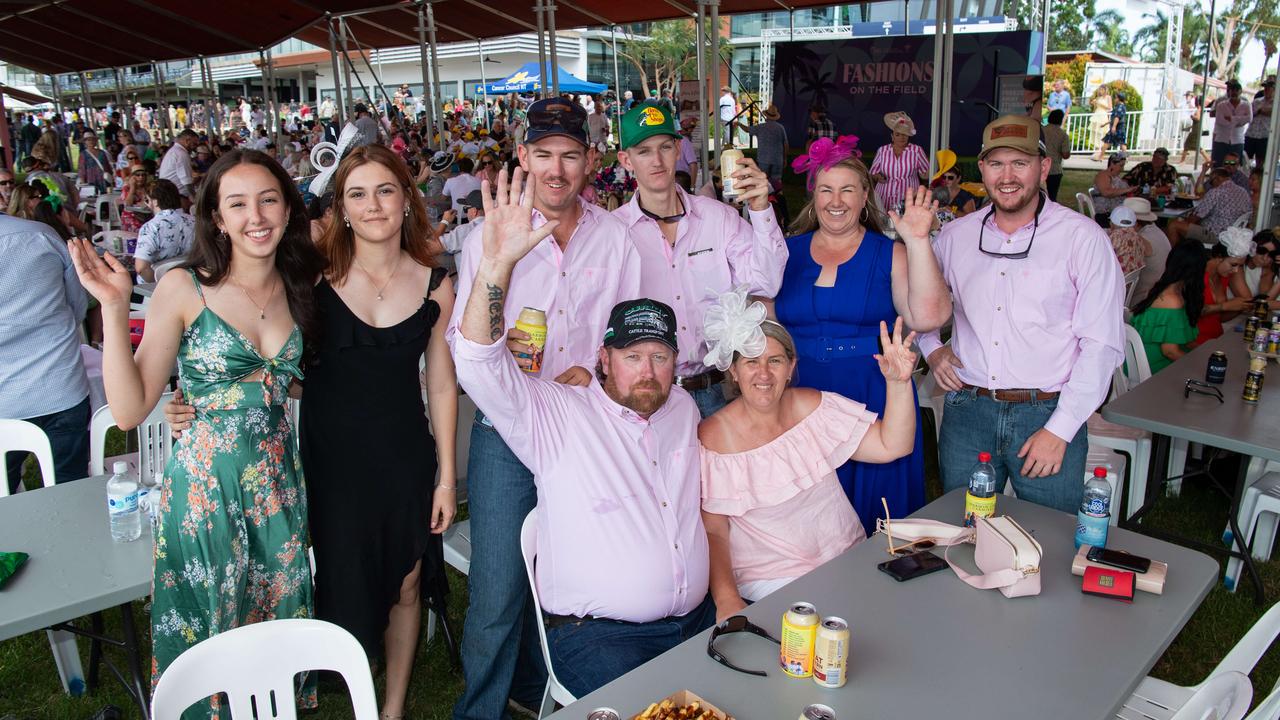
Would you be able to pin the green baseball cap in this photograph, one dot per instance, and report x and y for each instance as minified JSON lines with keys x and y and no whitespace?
{"x":644,"y":121}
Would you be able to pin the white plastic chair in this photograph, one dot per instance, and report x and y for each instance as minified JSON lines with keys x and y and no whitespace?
{"x":555,"y":693}
{"x":1242,"y":659}
{"x":22,"y":436}
{"x":107,"y":211}
{"x":1085,"y":204}
{"x":1130,"y":284}
{"x":155,"y":442}
{"x":1269,"y":708}
{"x":1224,"y":697}
{"x":165,"y":266}
{"x":1259,"y":509}
{"x":256,"y":664}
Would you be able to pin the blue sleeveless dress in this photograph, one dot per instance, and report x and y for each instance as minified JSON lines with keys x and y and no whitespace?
{"x":837,"y":330}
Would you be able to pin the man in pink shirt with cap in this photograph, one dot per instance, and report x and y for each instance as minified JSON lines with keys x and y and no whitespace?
{"x":575,"y":275}
{"x":622,"y":567}
{"x":1039,"y":327}
{"x":694,"y":248}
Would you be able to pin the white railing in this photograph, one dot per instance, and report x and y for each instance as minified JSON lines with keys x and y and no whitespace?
{"x":1144,"y":131}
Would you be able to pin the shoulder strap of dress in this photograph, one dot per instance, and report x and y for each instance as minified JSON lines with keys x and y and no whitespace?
{"x":437,"y":277}
{"x":199,"y":290}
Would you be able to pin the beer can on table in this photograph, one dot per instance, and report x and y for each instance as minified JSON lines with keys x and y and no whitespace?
{"x":1251,"y":324}
{"x":728,"y":165}
{"x":1252,"y":387}
{"x":534,"y":322}
{"x":831,"y":653}
{"x":1216,"y":373}
{"x":817,"y":712}
{"x":799,"y":633}
{"x":603,"y":714}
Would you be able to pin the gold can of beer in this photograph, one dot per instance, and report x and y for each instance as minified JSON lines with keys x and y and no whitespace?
{"x":1251,"y":328}
{"x":799,"y":633}
{"x":1252,"y":388}
{"x":831,"y":653}
{"x":534,"y":322}
{"x":728,"y":166}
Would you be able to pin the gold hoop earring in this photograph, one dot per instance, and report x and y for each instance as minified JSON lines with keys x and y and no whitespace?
{"x":864,"y":215}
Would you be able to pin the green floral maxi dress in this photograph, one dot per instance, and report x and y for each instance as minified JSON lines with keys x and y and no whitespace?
{"x":231,"y":547}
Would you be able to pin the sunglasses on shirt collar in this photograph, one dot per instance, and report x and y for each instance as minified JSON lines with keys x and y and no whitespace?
{"x":1018,"y":255}
{"x":736,"y":624}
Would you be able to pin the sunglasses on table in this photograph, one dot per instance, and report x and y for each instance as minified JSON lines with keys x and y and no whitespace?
{"x":736,"y":624}
{"x":1203,"y":388}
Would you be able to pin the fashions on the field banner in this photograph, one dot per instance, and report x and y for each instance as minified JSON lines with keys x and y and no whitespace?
{"x":858,"y":80}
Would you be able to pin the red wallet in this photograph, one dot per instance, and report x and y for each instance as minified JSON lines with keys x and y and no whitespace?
{"x":1109,"y":582}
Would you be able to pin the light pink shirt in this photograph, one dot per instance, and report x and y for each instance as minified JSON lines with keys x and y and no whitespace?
{"x":787,"y":512}
{"x":576,"y":287}
{"x":715,"y":251}
{"x":1052,"y":321}
{"x":620,"y":531}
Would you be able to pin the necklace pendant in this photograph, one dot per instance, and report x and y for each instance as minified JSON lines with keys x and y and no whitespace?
{"x":379,"y":296}
{"x":262,"y":315}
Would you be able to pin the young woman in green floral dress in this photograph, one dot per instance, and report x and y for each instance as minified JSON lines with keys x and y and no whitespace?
{"x":231,"y":544}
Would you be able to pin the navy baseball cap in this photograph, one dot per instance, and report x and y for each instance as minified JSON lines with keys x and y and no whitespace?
{"x":556,"y":116}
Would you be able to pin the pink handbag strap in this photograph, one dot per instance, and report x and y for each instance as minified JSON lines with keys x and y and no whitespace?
{"x":989,"y":581}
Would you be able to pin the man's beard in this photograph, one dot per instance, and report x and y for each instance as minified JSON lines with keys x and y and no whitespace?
{"x":1021,"y":201}
{"x":642,"y":404}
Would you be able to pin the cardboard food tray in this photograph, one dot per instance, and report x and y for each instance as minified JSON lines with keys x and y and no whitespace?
{"x":1151,"y":581}
{"x":680,"y":699}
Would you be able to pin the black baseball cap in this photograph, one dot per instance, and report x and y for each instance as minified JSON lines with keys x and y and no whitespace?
{"x":633,"y":321}
{"x":556,"y":116}
{"x":474,"y":199}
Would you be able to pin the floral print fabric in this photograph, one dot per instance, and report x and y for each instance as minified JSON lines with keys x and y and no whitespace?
{"x":231,"y":541}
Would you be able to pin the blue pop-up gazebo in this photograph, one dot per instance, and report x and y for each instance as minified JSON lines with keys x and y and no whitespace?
{"x":528,"y":79}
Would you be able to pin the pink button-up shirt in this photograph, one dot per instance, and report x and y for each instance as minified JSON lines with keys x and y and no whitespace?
{"x":1052,"y":321}
{"x":620,"y":531}
{"x":576,"y":287}
{"x":715,"y":251}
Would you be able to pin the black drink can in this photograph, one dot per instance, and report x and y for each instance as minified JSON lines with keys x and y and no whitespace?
{"x":1216,"y":373}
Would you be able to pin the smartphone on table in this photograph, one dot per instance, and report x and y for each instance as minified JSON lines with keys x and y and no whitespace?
{"x":912,"y":566}
{"x":1116,"y":558}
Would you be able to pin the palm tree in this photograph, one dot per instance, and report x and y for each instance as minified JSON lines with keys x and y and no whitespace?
{"x":1150,"y":40}
{"x":1107,"y":29}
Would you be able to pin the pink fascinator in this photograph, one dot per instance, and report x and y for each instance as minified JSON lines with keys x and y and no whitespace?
{"x":824,"y":153}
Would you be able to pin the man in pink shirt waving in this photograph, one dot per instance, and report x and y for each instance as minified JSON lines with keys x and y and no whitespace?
{"x":622,"y":567}
{"x":694,"y":248}
{"x":575,"y":274}
{"x":1038,"y":299}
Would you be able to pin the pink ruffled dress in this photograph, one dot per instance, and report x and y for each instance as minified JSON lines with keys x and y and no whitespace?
{"x":787,"y":512}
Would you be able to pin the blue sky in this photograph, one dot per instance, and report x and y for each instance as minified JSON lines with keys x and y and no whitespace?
{"x":1133,"y":10}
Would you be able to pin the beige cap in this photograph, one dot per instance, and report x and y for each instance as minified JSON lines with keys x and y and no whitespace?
{"x":1141,"y":208}
{"x":1017,"y":132}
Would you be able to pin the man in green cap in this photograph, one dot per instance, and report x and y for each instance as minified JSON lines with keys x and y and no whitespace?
{"x":694,"y":248}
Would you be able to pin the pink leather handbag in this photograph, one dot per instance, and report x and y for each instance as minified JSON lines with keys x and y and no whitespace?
{"x":1007,"y":555}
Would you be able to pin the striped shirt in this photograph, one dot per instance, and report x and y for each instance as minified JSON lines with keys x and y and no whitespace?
{"x":902,"y":173}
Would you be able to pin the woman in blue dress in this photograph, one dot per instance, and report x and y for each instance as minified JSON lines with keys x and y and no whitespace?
{"x":844,"y":277}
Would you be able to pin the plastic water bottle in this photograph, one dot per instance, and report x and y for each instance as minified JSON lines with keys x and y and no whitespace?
{"x":122,"y":504}
{"x":1095,"y":511}
{"x":980,"y":500}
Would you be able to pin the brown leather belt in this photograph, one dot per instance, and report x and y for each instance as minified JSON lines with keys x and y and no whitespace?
{"x":1015,"y":395}
{"x":701,"y":381}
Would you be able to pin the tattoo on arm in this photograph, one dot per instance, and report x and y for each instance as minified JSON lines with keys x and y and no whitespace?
{"x":496,"y":294}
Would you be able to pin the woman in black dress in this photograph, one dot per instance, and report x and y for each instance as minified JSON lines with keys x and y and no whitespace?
{"x":367,"y":449}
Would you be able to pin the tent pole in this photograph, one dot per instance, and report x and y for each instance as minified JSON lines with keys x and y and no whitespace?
{"x":157,"y":77}
{"x":484,"y":86}
{"x":428,"y":92}
{"x":119,"y":74}
{"x":333,"y":57}
{"x":346,"y":65}
{"x":949,"y":51}
{"x":1204,"y":76}
{"x":542,"y":50}
{"x":935,"y":112}
{"x":10,"y":155}
{"x":550,"y":10}
{"x":266,"y":93}
{"x":703,"y":153}
{"x":57,"y":94}
{"x":1267,"y":199}
{"x":434,"y":47}
{"x":723,"y":135}
{"x":617,"y":84}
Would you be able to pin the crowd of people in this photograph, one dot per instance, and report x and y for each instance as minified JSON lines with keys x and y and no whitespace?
{"x":722,"y":401}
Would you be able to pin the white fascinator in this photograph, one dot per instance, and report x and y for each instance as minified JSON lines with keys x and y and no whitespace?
{"x":325,"y":157}
{"x":731,"y":325}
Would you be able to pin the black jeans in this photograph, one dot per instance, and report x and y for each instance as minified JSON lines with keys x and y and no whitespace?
{"x":1052,"y":184}
{"x":68,"y":432}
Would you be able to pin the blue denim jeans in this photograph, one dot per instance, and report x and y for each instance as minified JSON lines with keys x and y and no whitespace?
{"x":709,"y":399}
{"x":501,"y":653}
{"x":68,"y":432}
{"x":972,"y":424}
{"x":591,"y":653}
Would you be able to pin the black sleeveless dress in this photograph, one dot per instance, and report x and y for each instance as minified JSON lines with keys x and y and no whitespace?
{"x":370,"y":462}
